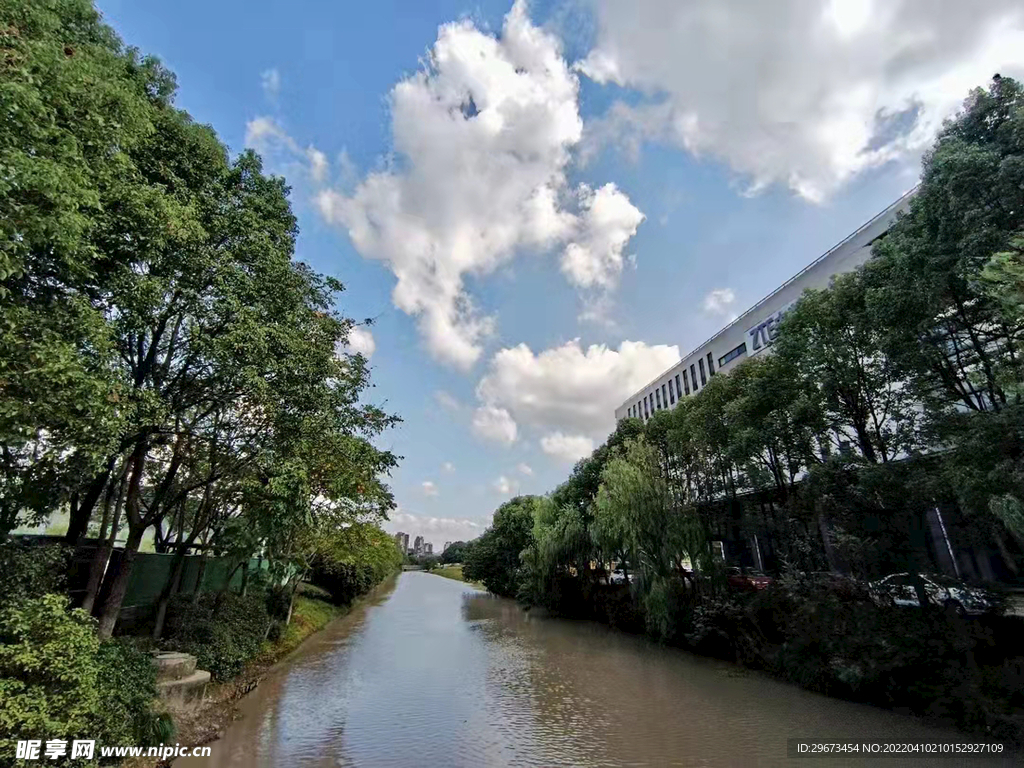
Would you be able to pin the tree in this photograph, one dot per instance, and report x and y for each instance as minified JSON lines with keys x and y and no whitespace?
{"x":494,"y":558}
{"x":833,"y":342}
{"x":77,"y":104}
{"x":937,"y":320}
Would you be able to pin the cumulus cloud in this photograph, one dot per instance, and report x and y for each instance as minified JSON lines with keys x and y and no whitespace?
{"x":270,"y":81}
{"x":506,"y":487}
{"x":429,"y":488}
{"x":361,"y":340}
{"x":609,"y":221}
{"x":720,"y":302}
{"x":493,"y":423}
{"x":567,"y":448}
{"x":482,"y":137}
{"x":436,"y":530}
{"x":569,"y":388}
{"x":525,"y":469}
{"x":798,"y":92}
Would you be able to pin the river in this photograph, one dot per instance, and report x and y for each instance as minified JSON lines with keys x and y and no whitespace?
{"x":432,"y":672}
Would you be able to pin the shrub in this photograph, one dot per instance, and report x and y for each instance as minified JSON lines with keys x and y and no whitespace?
{"x":223,"y":631}
{"x":58,"y":681}
{"x":30,"y":571}
{"x":48,"y":672}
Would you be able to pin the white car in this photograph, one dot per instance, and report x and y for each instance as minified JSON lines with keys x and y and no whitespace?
{"x":943,"y":591}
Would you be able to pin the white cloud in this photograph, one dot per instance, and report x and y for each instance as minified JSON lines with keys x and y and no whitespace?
{"x":610,"y":220}
{"x":436,"y":530}
{"x":568,"y":448}
{"x":483,"y":135}
{"x":525,"y":469}
{"x":447,"y":401}
{"x":429,"y":488}
{"x":799,"y":92}
{"x":448,"y":467}
{"x":268,"y":137}
{"x":720,"y":302}
{"x":506,"y":487}
{"x":317,"y":164}
{"x":270,"y":80}
{"x":568,"y":388}
{"x":361,"y":340}
{"x":495,"y":424}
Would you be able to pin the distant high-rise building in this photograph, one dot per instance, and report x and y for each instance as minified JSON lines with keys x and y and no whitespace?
{"x":402,"y":541}
{"x":417,"y":545}
{"x":428,"y":548}
{"x":446,"y":545}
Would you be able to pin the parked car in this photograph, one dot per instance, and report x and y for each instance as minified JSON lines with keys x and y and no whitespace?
{"x":749,"y":581}
{"x":943,"y":591}
{"x":618,"y":576}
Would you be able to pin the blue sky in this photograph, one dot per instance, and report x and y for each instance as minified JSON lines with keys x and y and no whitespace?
{"x":542,"y":212}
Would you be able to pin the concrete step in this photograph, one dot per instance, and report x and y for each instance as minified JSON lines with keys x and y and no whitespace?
{"x":184,"y":692}
{"x":172,"y":665}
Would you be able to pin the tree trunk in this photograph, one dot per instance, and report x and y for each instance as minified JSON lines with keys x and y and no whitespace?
{"x":245,"y":578}
{"x":81,"y":513}
{"x":171,"y":588}
{"x":118,"y":581}
{"x":199,"y":576}
{"x":106,"y":545}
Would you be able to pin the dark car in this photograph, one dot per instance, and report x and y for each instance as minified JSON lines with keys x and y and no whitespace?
{"x":747,"y":581}
{"x":943,"y":591}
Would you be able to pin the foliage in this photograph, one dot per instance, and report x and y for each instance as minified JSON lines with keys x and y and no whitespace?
{"x":162,"y":355}
{"x":494,"y":559}
{"x":457,"y":552}
{"x":58,"y":680}
{"x":223,"y":631}
{"x":28,"y":571}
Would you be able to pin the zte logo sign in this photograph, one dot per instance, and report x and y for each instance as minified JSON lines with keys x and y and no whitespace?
{"x":765,"y":332}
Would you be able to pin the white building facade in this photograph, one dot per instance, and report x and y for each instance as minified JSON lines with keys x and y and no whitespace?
{"x":753,"y":332}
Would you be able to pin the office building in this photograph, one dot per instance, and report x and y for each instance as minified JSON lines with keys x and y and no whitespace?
{"x":753,"y":332}
{"x":402,"y":541}
{"x":417,"y":545}
{"x":446,"y":545}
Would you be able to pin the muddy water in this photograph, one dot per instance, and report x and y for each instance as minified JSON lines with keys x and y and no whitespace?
{"x":434,"y":672}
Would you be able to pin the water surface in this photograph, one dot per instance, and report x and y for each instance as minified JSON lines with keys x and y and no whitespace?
{"x":433,"y":672}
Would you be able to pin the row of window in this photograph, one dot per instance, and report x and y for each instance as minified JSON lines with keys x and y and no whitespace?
{"x":666,"y":395}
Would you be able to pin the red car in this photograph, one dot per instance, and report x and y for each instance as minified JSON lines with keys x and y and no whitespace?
{"x":751,"y":581}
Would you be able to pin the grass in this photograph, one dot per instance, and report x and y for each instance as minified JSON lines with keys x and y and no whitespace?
{"x":310,"y":615}
{"x":454,"y":572}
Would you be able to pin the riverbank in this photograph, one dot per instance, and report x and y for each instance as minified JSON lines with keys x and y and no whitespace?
{"x":313,"y":612}
{"x":455,"y":572}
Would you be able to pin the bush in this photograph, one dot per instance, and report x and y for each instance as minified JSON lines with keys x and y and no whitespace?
{"x":31,"y":571}
{"x":344,"y":581}
{"x":58,"y":681}
{"x":224,"y":636}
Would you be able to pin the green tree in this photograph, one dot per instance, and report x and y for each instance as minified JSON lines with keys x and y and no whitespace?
{"x":494,"y":558}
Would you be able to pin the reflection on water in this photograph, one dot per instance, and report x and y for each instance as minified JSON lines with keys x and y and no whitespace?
{"x":435,"y":672}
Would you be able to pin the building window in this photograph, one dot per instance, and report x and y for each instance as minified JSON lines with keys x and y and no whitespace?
{"x":657,"y":398}
{"x":645,"y":409}
{"x":671,"y":393}
{"x":728,"y":357}
{"x":664,"y":396}
{"x":703,"y":378}
{"x":693,"y":377}
{"x":686,"y":381}
{"x":711,"y":365}
{"x":679,"y":389}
